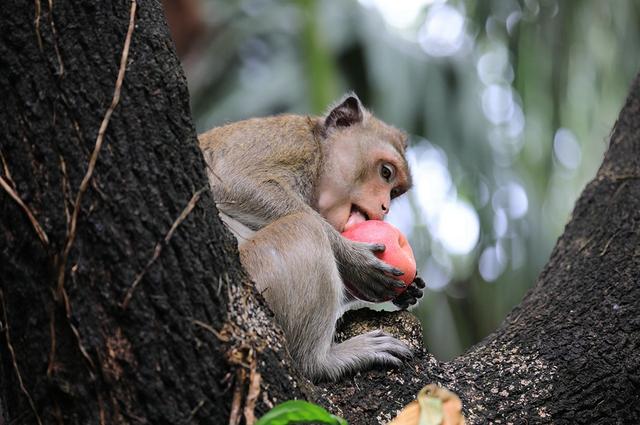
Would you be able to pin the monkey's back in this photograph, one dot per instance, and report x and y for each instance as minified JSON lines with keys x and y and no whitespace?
{"x":281,"y":149}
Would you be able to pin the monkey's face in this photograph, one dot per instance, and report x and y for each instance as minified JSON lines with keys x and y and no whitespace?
{"x":359,"y":181}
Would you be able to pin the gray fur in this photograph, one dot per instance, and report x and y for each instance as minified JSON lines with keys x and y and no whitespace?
{"x":263,"y":173}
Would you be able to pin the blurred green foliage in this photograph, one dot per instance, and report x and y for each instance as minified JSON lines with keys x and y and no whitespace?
{"x":509,"y":104}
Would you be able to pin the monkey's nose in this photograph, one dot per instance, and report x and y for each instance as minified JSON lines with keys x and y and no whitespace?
{"x":385,"y":209}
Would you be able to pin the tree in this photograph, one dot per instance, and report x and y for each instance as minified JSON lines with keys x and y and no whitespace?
{"x":122,"y":299}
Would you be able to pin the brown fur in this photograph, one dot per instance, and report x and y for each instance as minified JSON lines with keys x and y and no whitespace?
{"x":266,"y":175}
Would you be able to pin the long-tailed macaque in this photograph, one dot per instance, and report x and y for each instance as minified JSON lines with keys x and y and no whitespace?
{"x":287,"y":186}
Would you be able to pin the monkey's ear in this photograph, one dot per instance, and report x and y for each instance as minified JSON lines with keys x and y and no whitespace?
{"x":347,"y":113}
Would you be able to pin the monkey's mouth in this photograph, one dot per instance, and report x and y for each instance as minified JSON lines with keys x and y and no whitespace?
{"x":357,"y":215}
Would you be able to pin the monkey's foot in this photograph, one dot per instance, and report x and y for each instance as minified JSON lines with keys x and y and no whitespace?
{"x":363,"y":351}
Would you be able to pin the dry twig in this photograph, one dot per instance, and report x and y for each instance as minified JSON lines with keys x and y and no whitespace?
{"x":37,"y":23}
{"x":8,"y":185}
{"x":52,"y":331}
{"x":210,"y":328}
{"x":606,"y":245}
{"x":158,"y":249}
{"x":54,"y":37}
{"x":623,"y":177}
{"x":13,"y":359}
{"x":253,"y":393}
{"x":194,"y":411}
{"x":71,"y":232}
{"x":236,"y":403}
{"x":66,"y":190}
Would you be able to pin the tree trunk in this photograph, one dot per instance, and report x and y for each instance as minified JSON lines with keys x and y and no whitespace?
{"x":131,"y":325}
{"x":122,"y":299}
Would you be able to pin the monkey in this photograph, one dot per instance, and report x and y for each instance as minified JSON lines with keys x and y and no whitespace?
{"x":286,"y":186}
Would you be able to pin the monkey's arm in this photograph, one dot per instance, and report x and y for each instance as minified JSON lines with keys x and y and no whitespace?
{"x":253,"y":203}
{"x":406,"y":299}
{"x":256,"y":204}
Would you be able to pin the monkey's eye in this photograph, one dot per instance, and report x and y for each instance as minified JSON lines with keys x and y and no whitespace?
{"x":395,"y":192}
{"x":387,"y":172}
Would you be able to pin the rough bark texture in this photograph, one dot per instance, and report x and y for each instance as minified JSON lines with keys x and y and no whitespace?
{"x":195,"y":341}
{"x":81,"y":356}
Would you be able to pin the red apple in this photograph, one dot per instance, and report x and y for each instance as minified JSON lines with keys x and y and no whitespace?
{"x":397,"y":251}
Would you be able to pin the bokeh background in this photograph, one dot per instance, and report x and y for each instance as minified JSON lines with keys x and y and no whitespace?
{"x":509,"y":104}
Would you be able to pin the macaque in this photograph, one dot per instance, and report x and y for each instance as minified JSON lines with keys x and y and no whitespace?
{"x":287,"y":186}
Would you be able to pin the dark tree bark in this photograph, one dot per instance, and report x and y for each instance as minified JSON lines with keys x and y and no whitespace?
{"x":122,"y":299}
{"x":71,"y":352}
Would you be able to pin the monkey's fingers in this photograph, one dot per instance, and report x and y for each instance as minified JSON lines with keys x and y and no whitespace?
{"x":411,"y":295}
{"x":387,"y":290}
{"x":414,"y":292}
{"x":367,"y":250}
{"x":419,"y":282}
{"x":397,"y":272}
{"x":404,"y":301}
{"x":382,"y":268}
{"x":378,"y":288}
{"x":416,"y":289}
{"x":373,"y":247}
{"x":387,"y":268}
{"x":378,"y":247}
{"x":373,"y":279}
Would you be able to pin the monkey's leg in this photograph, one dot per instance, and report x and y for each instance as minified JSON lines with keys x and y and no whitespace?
{"x":292,"y":264}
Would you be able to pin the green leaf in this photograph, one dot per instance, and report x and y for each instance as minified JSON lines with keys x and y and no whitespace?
{"x":297,"y":412}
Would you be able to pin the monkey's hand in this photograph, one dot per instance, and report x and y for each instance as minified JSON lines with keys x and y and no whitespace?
{"x":366,"y":276}
{"x":411,"y":295}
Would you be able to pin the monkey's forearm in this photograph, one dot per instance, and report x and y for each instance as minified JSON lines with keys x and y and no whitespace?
{"x":256,"y":204}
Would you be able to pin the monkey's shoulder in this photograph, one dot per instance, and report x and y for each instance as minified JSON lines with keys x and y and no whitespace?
{"x":279,"y":132}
